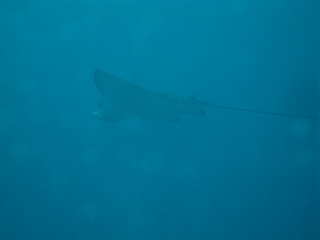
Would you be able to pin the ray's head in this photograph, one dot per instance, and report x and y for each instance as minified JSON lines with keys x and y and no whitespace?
{"x":110,"y":113}
{"x":98,"y":115}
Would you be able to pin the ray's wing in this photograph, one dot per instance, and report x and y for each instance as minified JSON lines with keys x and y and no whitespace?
{"x":116,"y":89}
{"x":125,"y":100}
{"x":132,"y":100}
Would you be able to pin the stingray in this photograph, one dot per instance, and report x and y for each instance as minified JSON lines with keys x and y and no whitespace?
{"x":125,"y":100}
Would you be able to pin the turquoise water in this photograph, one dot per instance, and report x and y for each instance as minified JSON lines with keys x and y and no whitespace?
{"x":227,"y":175}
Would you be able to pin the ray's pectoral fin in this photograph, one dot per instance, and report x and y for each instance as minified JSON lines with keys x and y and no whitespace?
{"x":116,"y":90}
{"x":125,"y":100}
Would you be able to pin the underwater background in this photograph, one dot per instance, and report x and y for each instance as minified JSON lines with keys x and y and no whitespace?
{"x":228,"y":175}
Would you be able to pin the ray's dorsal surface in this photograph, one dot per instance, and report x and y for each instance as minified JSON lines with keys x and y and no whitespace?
{"x":126,"y":100}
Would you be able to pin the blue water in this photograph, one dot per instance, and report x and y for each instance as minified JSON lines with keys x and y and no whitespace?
{"x":228,"y":175}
